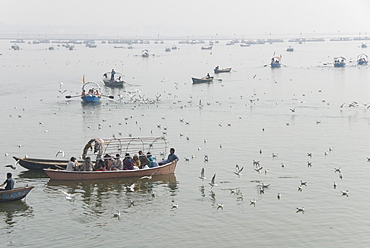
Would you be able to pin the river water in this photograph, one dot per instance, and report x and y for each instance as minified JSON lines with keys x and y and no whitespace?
{"x":244,"y":115}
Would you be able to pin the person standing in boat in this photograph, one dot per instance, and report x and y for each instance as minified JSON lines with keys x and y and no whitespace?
{"x":171,"y":157}
{"x":9,"y":182}
{"x":112,"y":75}
{"x":72,"y":164}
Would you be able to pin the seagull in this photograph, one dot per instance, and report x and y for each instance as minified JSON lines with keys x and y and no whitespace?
{"x":220,"y":206}
{"x":130,"y":188}
{"x":274,"y":155}
{"x":253,"y":202}
{"x":345,"y":193}
{"x":117,"y":215}
{"x":175,"y":206}
{"x":262,"y":190}
{"x":309,"y":154}
{"x":148,"y":177}
{"x":259,"y":169}
{"x":10,"y":166}
{"x":202,"y":175}
{"x":300,"y":188}
{"x":266,"y":170}
{"x":238,"y":171}
{"x":340,"y":176}
{"x":278,"y":196}
{"x":265,"y":185}
{"x":212,"y":183}
{"x":303,"y":183}
{"x":309,"y":164}
{"x":300,"y":210}
{"x":60,"y":152}
{"x":335,"y":185}
{"x":69,"y":196}
{"x":337,"y":170}
{"x":131,"y":203}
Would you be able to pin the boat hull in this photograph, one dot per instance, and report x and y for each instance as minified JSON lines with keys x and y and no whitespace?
{"x":362,"y":62}
{"x":222,"y":70}
{"x":94,"y":175}
{"x":41,"y":164}
{"x":275,"y":65}
{"x":14,"y":194}
{"x":202,"y":80}
{"x":90,"y":98}
{"x":114,"y":84}
{"x":341,"y":64}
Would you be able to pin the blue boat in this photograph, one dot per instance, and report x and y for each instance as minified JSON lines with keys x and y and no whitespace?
{"x":14,"y":194}
{"x":275,"y":62}
{"x":91,"y":92}
{"x":362,"y":59}
{"x":339,"y":62}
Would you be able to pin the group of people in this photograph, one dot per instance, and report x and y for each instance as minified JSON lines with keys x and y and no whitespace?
{"x":140,"y":161}
{"x":91,"y":92}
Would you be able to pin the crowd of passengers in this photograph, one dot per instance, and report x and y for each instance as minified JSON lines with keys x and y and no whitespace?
{"x":107,"y":163}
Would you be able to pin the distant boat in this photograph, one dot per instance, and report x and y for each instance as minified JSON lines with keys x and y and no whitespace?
{"x":206,"y":48}
{"x":363,"y":45}
{"x":145,"y":53}
{"x":117,"y":82}
{"x":245,"y":44}
{"x":275,"y":62}
{"x":362,"y":59}
{"x":15,"y":47}
{"x":167,"y":49}
{"x":218,"y":70}
{"x":202,"y":80}
{"x":339,"y":62}
{"x":174,"y":47}
{"x":290,"y":49}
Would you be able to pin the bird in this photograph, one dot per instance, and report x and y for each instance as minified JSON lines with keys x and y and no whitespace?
{"x":253,"y":202}
{"x":148,"y":177}
{"x":265,"y":185}
{"x":262,"y":190}
{"x":202,"y":175}
{"x":131,"y":203}
{"x":175,"y":206}
{"x":69,"y":196}
{"x":238,"y":171}
{"x":60,"y":152}
{"x":303,"y":183}
{"x":130,"y":188}
{"x":259,"y":169}
{"x":345,"y":193}
{"x":212,"y":183}
{"x":274,"y":155}
{"x":337,"y":170}
{"x":300,"y":188}
{"x":220,"y":206}
{"x":340,"y":176}
{"x":300,"y":210}
{"x":278,"y":196}
{"x":117,"y":215}
{"x":11,"y":166}
{"x":309,"y":154}
{"x":335,"y":185}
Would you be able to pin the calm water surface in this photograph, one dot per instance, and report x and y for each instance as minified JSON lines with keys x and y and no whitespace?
{"x":244,"y":112}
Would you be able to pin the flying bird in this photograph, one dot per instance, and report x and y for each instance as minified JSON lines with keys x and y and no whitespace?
{"x":148,"y":177}
{"x":212,"y":183}
{"x":202,"y":175}
{"x":238,"y":171}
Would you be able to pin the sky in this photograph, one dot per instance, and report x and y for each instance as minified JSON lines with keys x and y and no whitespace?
{"x":185,"y":18}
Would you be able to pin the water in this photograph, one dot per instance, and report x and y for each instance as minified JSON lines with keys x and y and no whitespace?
{"x":245,"y":112}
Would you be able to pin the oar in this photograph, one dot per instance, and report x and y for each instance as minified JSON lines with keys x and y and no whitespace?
{"x":61,"y":168}
{"x":68,"y":97}
{"x":111,"y":97}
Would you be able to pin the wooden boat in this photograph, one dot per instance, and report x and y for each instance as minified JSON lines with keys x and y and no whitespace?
{"x":114,"y":84}
{"x":217,"y":70}
{"x":14,"y":194}
{"x":41,"y":164}
{"x":362,"y":59}
{"x":290,"y":49}
{"x":202,"y":80}
{"x":339,"y":62}
{"x":94,"y":175}
{"x":275,"y":62}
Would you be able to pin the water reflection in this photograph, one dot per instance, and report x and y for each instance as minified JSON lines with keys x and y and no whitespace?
{"x":32,"y":174}
{"x":12,"y":210}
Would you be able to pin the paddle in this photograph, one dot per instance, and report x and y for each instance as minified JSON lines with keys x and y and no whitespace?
{"x":111,"y":97}
{"x":68,"y":97}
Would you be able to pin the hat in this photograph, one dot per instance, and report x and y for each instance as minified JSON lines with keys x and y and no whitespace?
{"x":127,"y":155}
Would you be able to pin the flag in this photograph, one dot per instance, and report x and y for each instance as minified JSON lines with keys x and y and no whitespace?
{"x":83,"y":79}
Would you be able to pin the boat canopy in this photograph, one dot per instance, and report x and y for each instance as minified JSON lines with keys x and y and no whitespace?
{"x":362,"y":56}
{"x":132,"y":145}
{"x":340,"y":59}
{"x":91,"y":85}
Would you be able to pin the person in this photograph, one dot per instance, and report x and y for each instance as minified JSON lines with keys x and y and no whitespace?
{"x":112,"y":75}
{"x":171,"y":157}
{"x":208,"y":76}
{"x":216,"y":68}
{"x":117,"y":163}
{"x":152,"y":163}
{"x":108,"y":161}
{"x":83,"y":93}
{"x":136,"y":161}
{"x":100,"y":165}
{"x":87,"y":165}
{"x":143,"y":160}
{"x":127,"y":162}
{"x":72,"y":164}
{"x":105,"y":75}
{"x":9,"y":182}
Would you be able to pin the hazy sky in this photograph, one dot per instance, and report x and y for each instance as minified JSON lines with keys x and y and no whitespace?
{"x":185,"y":17}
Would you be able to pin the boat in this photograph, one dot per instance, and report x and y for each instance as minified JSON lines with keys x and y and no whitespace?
{"x":339,"y":62}
{"x":290,"y":49}
{"x":363,"y":45}
{"x":91,"y":92}
{"x":362,"y":59}
{"x":14,"y":194}
{"x":275,"y":62}
{"x":117,"y":82}
{"x":145,"y":53}
{"x":206,"y":48}
{"x":217,"y":70}
{"x":41,"y":164}
{"x":202,"y":80}
{"x":56,"y":174}
{"x":245,"y":44}
{"x":167,"y":49}
{"x":15,"y":47}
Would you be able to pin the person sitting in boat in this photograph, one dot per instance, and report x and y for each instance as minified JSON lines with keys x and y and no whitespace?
{"x":171,"y":157}
{"x":9,"y":182}
{"x":72,"y":164}
{"x":87,"y":165}
{"x":136,"y":161}
{"x":83,"y":93}
{"x":90,"y":91}
{"x":216,"y":68}
{"x":119,"y":78}
{"x":100,"y":165}
{"x":152,"y":163}
{"x":208,"y":76}
{"x":117,"y":163}
{"x":97,"y":93}
{"x":127,"y":162}
{"x":112,"y":75}
{"x":108,"y":161}
{"x":143,"y":160}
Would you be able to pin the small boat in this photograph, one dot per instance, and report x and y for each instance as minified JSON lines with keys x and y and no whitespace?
{"x":202,"y":80}
{"x":206,"y":48}
{"x":217,"y":70}
{"x":41,"y":164}
{"x":14,"y":194}
{"x":245,"y":44}
{"x":290,"y":49}
{"x":117,"y":82}
{"x":93,"y":94}
{"x":15,"y":47}
{"x":275,"y":62}
{"x":168,"y":168}
{"x":363,"y":45}
{"x":362,"y":59}
{"x":167,"y":49}
{"x":145,"y":53}
{"x":339,"y":62}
